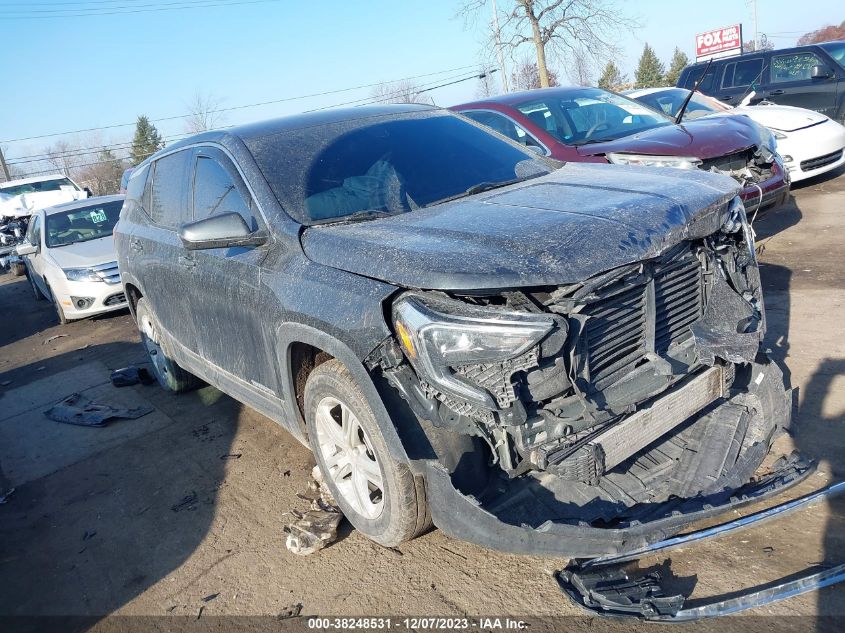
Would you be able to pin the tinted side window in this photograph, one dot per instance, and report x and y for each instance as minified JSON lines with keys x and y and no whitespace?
{"x":135,"y":190}
{"x":742,"y":74}
{"x":795,"y":67}
{"x":218,"y":190}
{"x":168,"y":200}
{"x":709,"y":81}
{"x":503,"y":126}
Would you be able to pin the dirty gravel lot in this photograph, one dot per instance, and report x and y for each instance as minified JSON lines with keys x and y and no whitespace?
{"x":152,"y":516}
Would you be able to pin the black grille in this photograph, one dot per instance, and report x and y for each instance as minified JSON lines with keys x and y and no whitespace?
{"x":617,"y":333}
{"x":678,"y":302}
{"x":731,"y":162}
{"x":115,"y":299}
{"x":821,"y":161}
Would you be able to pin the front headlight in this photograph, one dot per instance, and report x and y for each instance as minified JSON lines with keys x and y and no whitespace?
{"x":437,"y":334}
{"x":81,"y":274}
{"x":645,"y":160}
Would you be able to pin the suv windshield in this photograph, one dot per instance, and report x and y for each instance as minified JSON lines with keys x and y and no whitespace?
{"x":37,"y":187}
{"x":669,"y":101}
{"x":835,"y":50}
{"x":590,"y":115}
{"x":82,"y":225}
{"x":371,"y":167}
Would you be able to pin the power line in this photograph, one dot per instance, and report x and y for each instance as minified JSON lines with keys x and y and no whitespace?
{"x":372,"y":100}
{"x":98,"y":9}
{"x":241,"y":107}
{"x":84,"y":13}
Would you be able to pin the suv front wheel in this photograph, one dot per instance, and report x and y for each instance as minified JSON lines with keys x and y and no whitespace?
{"x":169,"y":375}
{"x":378,"y":495}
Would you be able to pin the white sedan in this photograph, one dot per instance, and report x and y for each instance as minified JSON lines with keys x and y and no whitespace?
{"x":70,"y":257}
{"x":809,"y":143}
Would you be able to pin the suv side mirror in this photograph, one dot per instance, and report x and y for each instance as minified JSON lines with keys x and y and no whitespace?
{"x":26,"y":249}
{"x":220,"y":231}
{"x":821,"y":71}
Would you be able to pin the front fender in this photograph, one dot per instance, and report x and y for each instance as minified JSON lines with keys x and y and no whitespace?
{"x":289,"y":333}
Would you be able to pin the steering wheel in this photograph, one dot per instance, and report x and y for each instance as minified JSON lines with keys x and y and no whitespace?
{"x":596,"y":127}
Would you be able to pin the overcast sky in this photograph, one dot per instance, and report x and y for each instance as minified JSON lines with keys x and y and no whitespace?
{"x":71,"y":73}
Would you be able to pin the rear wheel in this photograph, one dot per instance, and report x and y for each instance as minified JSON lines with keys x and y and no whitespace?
{"x":378,"y":495}
{"x":168,"y":373}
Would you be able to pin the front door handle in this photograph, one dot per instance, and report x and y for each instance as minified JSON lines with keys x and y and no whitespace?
{"x":187,"y":261}
{"x":135,"y":246}
{"x":726,"y":97}
{"x":775,"y":93}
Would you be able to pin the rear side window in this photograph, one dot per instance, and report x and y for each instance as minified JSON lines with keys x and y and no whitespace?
{"x":743,"y":74}
{"x":504,"y":126}
{"x":168,"y":200}
{"x":795,"y":67}
{"x":709,"y":82}
{"x":218,"y":189}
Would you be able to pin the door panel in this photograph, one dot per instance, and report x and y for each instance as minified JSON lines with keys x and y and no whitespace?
{"x":226,"y":281}
{"x":156,"y":247}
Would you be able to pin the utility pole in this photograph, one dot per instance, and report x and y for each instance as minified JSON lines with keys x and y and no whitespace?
{"x":501,"y":57}
{"x":754,"y":6}
{"x":4,"y":165}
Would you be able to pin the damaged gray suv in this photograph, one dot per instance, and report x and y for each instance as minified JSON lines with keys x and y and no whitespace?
{"x":537,"y":357}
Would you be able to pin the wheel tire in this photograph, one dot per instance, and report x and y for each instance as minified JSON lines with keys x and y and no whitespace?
{"x":398,"y":510}
{"x":18,"y":269}
{"x":39,"y":296}
{"x":170,"y":376}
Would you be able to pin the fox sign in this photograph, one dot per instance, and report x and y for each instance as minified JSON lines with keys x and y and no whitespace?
{"x":719,"y":42}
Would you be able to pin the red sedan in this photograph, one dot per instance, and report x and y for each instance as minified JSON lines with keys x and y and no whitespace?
{"x":593,"y":125}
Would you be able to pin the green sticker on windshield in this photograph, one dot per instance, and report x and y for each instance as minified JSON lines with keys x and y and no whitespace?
{"x":98,"y":216}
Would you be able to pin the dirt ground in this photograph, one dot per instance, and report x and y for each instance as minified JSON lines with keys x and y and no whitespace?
{"x":183,"y":509}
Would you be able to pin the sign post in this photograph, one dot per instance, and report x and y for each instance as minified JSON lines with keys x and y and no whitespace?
{"x":724,"y":42}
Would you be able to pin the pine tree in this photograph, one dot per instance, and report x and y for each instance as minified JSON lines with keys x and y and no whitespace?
{"x":679,"y":62}
{"x":147,"y":140}
{"x":611,"y":78}
{"x":650,"y":70}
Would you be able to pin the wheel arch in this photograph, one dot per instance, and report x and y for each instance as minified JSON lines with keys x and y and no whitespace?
{"x":297,"y":344}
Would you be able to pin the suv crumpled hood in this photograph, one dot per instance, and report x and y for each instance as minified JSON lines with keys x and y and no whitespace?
{"x":708,"y":137}
{"x":562,"y":228}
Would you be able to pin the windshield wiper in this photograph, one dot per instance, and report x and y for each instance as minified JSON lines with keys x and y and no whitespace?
{"x":484,"y":186}
{"x":360,"y":216}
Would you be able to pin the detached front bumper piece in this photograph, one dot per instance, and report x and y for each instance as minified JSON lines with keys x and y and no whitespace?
{"x":604,"y":587}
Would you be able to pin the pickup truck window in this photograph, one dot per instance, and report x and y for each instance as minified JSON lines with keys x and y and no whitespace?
{"x":742,"y":74}
{"x":795,"y":67}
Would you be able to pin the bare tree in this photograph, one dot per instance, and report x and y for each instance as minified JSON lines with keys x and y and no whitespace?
{"x":580,"y":69}
{"x":403,"y":91}
{"x":561,"y":28}
{"x":204,"y":114}
{"x":104,"y":174}
{"x":526,"y":76}
{"x":64,"y":156}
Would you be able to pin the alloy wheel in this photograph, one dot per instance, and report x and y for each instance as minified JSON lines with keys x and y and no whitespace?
{"x":349,"y":458}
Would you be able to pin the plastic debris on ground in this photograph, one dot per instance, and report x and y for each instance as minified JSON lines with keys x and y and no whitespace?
{"x":80,"y":410}
{"x":128,"y":376}
{"x":316,"y":527}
